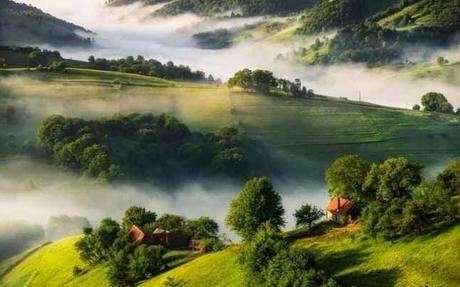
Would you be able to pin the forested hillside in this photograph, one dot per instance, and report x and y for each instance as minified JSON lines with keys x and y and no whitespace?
{"x":237,"y":7}
{"x":22,"y":24}
{"x":378,"y":34}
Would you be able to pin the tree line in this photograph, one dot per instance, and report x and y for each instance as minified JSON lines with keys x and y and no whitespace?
{"x":393,"y":196}
{"x":146,"y":147}
{"x":149,"y":67}
{"x":263,"y":81}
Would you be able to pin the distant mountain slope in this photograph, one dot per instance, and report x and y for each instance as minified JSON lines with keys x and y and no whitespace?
{"x":212,"y":7}
{"x":22,"y":24}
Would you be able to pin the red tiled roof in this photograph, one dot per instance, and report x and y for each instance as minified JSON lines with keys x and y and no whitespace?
{"x":339,"y":205}
{"x":136,"y":235}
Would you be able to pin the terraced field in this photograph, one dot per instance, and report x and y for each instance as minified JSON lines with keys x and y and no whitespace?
{"x":316,"y":129}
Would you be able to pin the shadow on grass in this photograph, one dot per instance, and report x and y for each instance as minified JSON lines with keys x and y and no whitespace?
{"x":316,"y":230}
{"x":338,"y":261}
{"x":374,"y":278}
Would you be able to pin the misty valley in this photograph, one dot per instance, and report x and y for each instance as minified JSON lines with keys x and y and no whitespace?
{"x":230,"y":143}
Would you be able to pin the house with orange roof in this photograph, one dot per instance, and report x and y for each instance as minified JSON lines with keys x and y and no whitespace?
{"x":341,"y":210}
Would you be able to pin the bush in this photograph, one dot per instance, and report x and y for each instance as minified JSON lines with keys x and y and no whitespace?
{"x":146,"y":262}
{"x":258,"y":253}
{"x":202,"y":228}
{"x":211,"y":245}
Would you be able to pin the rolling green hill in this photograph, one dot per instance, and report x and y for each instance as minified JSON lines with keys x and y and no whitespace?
{"x":21,"y":24}
{"x":428,"y":260}
{"x":316,"y":129}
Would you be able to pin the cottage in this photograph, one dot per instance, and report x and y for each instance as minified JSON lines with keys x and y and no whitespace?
{"x":341,"y":210}
{"x":165,"y":238}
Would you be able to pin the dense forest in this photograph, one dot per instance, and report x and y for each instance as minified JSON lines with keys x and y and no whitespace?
{"x":22,"y":24}
{"x":361,"y":38}
{"x":146,"y":147}
{"x":237,"y":7}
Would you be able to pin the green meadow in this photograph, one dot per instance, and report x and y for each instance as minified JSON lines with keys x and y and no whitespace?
{"x":431,"y":259}
{"x":316,"y":129}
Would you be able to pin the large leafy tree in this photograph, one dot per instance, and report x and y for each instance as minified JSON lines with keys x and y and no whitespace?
{"x":256,"y":204}
{"x":345,"y":177}
{"x":394,"y":178}
{"x":138,"y":216}
{"x":436,"y":102}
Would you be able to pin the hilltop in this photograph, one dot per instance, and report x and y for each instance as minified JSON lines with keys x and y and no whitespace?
{"x":429,"y":259}
{"x":317,"y":129}
{"x":23,"y":24}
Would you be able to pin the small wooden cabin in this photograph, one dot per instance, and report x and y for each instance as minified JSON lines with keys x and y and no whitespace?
{"x":341,"y":210}
{"x":165,"y":238}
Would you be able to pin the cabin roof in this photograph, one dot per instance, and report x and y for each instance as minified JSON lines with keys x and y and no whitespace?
{"x":340,"y":205}
{"x":136,"y":235}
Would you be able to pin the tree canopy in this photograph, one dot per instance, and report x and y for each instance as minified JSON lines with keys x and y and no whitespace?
{"x":436,"y":102}
{"x":256,"y":204}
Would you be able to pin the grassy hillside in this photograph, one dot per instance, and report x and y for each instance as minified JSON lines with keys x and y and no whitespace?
{"x":218,"y":269}
{"x":316,"y":129}
{"x":428,"y":260}
{"x":22,"y":24}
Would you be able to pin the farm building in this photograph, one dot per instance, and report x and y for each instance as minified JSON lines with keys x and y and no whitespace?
{"x":341,"y":210}
{"x":167,"y":239}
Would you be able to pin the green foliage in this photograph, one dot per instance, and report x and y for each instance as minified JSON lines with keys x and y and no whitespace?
{"x":145,"y":147}
{"x":436,"y":102}
{"x":345,"y":177}
{"x":295,"y":267}
{"x":269,"y":261}
{"x":246,"y":7}
{"x":146,"y":262}
{"x":257,"y":254}
{"x":202,"y":228}
{"x":96,"y":246}
{"x":326,"y":15}
{"x":170,"y":222}
{"x":307,"y":214}
{"x":138,"y":216}
{"x":57,"y":66}
{"x":264,"y":82}
{"x":150,"y":67}
{"x":257,"y":204}
{"x":449,"y":179}
{"x":211,"y":244}
{"x":396,"y":177}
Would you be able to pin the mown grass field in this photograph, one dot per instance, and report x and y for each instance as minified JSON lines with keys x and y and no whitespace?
{"x":431,"y":260}
{"x":312,"y":132}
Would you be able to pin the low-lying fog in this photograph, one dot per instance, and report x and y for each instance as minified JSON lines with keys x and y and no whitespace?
{"x":124,"y":31}
{"x":32,"y":192}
